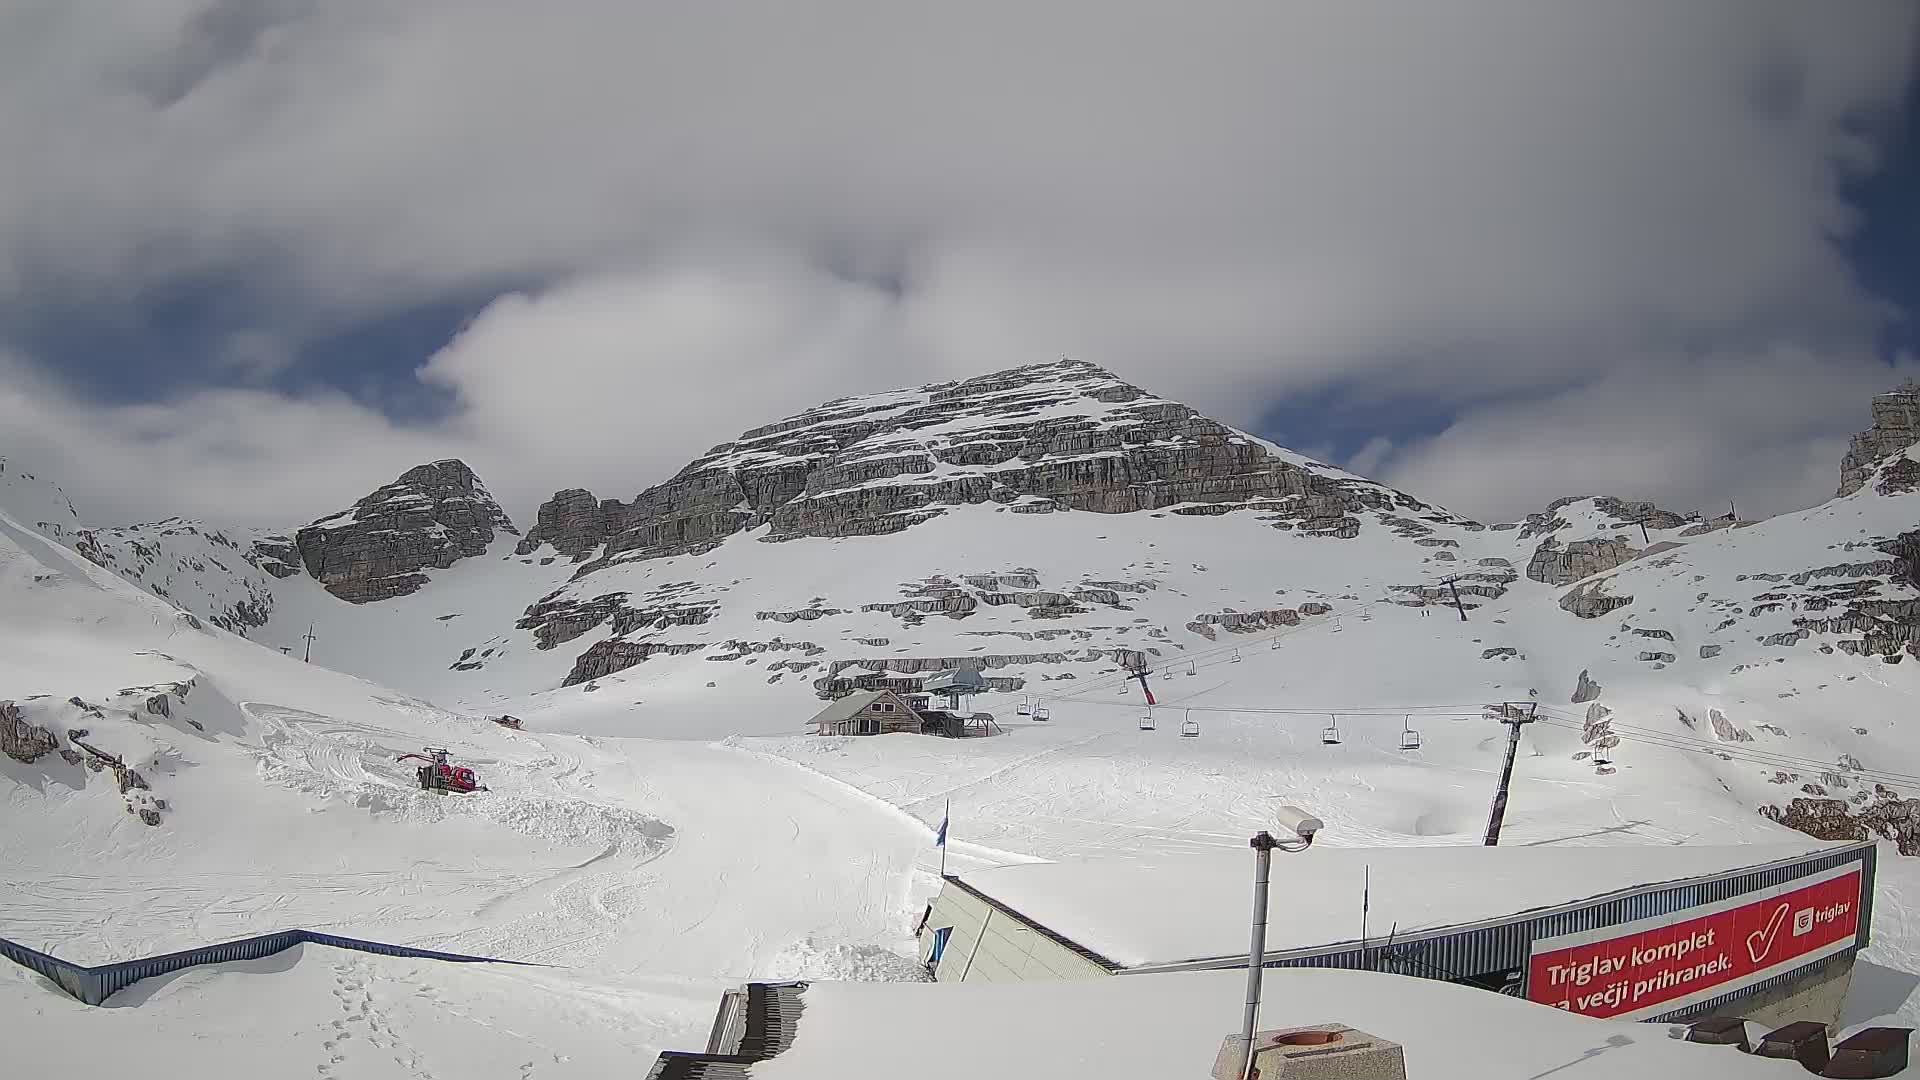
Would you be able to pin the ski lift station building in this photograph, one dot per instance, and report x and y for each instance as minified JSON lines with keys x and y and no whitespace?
{"x":1765,"y":931}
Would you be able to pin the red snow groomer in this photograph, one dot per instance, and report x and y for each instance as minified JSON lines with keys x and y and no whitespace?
{"x":438,"y":774}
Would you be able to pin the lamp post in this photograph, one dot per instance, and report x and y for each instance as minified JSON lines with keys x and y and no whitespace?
{"x":1303,"y":826}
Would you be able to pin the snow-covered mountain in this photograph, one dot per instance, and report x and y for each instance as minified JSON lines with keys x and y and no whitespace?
{"x":1048,"y":525}
{"x":170,"y":777}
{"x":1055,"y":527}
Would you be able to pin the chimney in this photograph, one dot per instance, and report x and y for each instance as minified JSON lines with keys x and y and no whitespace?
{"x":1316,"y":1052}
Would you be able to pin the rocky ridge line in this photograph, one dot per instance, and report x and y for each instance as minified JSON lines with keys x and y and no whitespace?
{"x":430,"y":518}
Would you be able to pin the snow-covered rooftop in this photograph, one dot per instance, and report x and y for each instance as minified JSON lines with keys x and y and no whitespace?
{"x":1172,"y":1025}
{"x":1139,"y":912}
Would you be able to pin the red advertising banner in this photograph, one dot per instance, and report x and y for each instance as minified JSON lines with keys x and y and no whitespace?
{"x":1651,"y":966}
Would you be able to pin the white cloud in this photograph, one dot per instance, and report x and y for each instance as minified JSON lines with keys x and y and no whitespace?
{"x":247,"y":457}
{"x":1368,"y":459}
{"x":614,"y":382}
{"x":1689,"y":432}
{"x":1228,"y":205}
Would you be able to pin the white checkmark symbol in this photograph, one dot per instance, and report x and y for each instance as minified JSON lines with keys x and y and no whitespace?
{"x":1760,"y":942}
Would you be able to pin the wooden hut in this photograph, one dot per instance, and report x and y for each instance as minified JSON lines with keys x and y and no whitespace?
{"x":867,"y":712}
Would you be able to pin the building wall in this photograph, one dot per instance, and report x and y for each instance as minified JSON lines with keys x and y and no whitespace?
{"x":1819,"y":996}
{"x":987,"y":945}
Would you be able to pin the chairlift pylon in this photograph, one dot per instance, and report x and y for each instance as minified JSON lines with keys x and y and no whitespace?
{"x":1409,"y":738}
{"x":1189,"y":728}
{"x":1330,"y":735}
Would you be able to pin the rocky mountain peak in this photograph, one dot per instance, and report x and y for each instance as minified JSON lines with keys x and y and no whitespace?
{"x":1896,"y":426}
{"x":431,"y":517}
{"x":1061,"y":436}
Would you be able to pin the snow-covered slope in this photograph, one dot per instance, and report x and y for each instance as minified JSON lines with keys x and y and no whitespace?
{"x":37,"y":501}
{"x":167,"y":783}
{"x":1271,"y":596}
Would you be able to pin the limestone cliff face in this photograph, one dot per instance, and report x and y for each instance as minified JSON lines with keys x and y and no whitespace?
{"x":1896,"y":426}
{"x":1061,"y":436}
{"x":431,"y":517}
{"x":573,"y":523}
{"x":1050,"y":438}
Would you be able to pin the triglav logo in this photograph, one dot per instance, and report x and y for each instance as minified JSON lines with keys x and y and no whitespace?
{"x":1760,"y":942}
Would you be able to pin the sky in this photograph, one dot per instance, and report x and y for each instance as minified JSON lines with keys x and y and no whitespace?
{"x":257,"y":257}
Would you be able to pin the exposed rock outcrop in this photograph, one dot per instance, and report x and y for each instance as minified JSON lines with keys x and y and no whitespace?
{"x":1896,"y":426}
{"x":277,"y":555}
{"x":22,"y":741}
{"x":197,"y":568}
{"x":1888,"y":625}
{"x":1248,"y":622}
{"x":574,"y":523}
{"x":606,"y":657}
{"x":1587,"y":689}
{"x":1591,"y":601}
{"x":1065,"y":435}
{"x":431,"y":517}
{"x":1888,"y":817}
{"x":559,"y":617}
{"x":1580,"y":559}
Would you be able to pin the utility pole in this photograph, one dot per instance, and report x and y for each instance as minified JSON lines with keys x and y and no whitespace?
{"x":1304,"y":827}
{"x":1263,"y":844}
{"x":1140,"y":673}
{"x":1511,"y":716}
{"x":1643,"y":533}
{"x":1457,"y":605}
{"x":309,"y":640}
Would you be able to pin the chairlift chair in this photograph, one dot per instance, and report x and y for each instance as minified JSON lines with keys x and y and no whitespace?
{"x":1192,"y":669}
{"x":1409,"y":738}
{"x":1040,"y":714}
{"x":1236,"y":656}
{"x":1189,"y":728}
{"x":1330,"y":736}
{"x":1146,"y":720}
{"x":1337,"y":628}
{"x":1026,"y":708}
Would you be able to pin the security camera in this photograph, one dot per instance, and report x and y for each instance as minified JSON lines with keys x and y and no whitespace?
{"x":1298,"y":821}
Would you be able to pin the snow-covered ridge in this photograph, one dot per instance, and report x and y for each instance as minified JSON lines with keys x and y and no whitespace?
{"x":35,"y":501}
